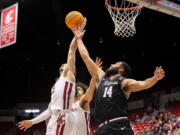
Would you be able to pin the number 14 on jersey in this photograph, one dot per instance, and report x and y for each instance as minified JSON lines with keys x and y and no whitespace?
{"x":108,"y":92}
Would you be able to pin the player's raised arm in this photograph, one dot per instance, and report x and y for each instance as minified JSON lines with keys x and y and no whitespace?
{"x":135,"y":86}
{"x":90,"y":64}
{"x":70,"y":68}
{"x":88,"y":96}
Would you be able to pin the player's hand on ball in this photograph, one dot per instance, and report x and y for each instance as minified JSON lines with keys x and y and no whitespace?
{"x":25,"y":124}
{"x":159,"y":73}
{"x":79,"y":30}
{"x":78,"y":33}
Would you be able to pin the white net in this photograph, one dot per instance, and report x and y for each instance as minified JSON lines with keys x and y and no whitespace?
{"x":124,"y":15}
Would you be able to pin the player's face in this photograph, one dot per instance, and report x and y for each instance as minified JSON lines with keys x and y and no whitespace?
{"x":115,"y":65}
{"x":80,"y":91}
{"x":113,"y":69}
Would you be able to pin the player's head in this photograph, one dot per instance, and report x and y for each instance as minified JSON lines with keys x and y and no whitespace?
{"x":62,"y":67}
{"x":121,"y":68}
{"x":80,"y":89}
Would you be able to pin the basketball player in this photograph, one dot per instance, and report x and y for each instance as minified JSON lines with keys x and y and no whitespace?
{"x":62,"y":97}
{"x":78,"y":117}
{"x":81,"y":106}
{"x":111,"y":98}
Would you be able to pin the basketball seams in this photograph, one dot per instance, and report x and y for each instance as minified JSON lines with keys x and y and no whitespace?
{"x":74,"y":18}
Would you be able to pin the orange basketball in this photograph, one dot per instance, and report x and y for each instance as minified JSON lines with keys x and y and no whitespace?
{"x":73,"y":18}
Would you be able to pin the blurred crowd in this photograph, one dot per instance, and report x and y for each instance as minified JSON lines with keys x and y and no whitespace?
{"x":160,"y":119}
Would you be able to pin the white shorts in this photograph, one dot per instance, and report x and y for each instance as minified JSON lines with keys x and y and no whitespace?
{"x":58,"y":125}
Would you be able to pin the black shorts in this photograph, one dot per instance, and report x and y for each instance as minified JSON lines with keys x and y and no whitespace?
{"x":120,"y":127}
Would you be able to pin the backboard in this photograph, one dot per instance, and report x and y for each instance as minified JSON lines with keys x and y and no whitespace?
{"x":166,"y":6}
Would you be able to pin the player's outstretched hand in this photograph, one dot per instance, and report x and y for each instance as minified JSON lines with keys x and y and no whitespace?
{"x":77,"y":32}
{"x":159,"y":73}
{"x":99,"y":62}
{"x":25,"y":124}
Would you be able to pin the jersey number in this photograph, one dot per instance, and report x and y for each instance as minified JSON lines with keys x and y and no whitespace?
{"x":107,"y":92}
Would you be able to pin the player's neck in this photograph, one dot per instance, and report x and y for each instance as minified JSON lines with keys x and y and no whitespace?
{"x":113,"y":76}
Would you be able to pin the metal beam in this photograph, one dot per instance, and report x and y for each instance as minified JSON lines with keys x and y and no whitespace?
{"x":164,"y":6}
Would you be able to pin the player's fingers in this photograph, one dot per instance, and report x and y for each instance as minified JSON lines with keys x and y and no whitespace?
{"x":25,"y":129}
{"x":100,"y":63}
{"x":84,"y":23}
{"x":162,"y":71}
{"x":74,"y":28}
{"x":20,"y":122}
{"x":158,"y":68}
{"x":97,"y":62}
{"x":97,"y":59}
{"x":20,"y":126}
{"x":74,"y":31}
{"x":85,"y":20}
{"x":83,"y":32}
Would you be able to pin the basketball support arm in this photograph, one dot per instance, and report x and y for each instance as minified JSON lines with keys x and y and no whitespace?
{"x":164,"y":6}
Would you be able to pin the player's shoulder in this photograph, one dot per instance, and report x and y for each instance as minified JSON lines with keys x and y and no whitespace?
{"x":63,"y":78}
{"x":127,"y":81}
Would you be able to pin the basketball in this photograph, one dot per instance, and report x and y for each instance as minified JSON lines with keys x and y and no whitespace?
{"x":73,"y":18}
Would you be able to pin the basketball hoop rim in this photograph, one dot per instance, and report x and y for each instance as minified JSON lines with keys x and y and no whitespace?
{"x":121,"y":9}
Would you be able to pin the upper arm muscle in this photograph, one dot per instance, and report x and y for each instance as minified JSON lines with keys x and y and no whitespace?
{"x":135,"y":86}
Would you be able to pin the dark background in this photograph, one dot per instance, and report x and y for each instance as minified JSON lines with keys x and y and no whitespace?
{"x":29,"y":68}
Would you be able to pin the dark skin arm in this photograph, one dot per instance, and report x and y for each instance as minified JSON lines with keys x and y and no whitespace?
{"x":136,"y":86}
{"x":93,"y":69}
{"x":88,"y":96}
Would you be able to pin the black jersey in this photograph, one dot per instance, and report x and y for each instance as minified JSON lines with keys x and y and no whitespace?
{"x":110,"y":100}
